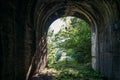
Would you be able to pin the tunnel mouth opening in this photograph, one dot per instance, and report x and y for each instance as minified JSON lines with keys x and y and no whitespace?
{"x":64,"y":10}
{"x":69,"y":30}
{"x":70,"y":59}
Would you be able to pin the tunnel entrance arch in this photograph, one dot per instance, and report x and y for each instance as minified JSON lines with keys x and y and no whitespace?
{"x":63,"y":10}
{"x":100,"y":15}
{"x":70,"y":33}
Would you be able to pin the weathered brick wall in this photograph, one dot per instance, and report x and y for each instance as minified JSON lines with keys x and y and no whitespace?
{"x":17,"y":40}
{"x":7,"y":40}
{"x":110,"y":51}
{"x":116,"y":51}
{"x":106,"y":52}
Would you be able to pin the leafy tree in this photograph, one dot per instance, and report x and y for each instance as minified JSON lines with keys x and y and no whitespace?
{"x":51,"y":47}
{"x":75,"y":40}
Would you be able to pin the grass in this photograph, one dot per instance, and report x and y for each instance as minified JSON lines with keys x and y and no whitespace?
{"x":71,"y":70}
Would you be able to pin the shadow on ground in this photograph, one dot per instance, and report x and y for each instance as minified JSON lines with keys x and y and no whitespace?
{"x":42,"y":77}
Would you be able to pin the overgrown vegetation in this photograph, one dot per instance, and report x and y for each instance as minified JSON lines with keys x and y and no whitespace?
{"x":74,"y":71}
{"x":69,"y":52}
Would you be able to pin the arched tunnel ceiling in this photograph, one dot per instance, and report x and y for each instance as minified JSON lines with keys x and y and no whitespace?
{"x":100,"y":12}
{"x":23,"y":22}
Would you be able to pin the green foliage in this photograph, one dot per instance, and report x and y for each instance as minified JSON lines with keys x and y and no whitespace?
{"x":77,"y":39}
{"x":74,"y":71}
{"x":51,"y":48}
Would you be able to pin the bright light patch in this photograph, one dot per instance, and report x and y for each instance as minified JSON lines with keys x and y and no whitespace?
{"x":58,"y":24}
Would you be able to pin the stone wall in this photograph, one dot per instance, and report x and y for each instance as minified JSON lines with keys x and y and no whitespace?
{"x":17,"y":40}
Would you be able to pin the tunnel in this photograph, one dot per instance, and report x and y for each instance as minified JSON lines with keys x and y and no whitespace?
{"x":23,"y":31}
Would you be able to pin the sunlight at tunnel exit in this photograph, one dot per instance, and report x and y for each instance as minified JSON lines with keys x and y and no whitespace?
{"x":58,"y":24}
